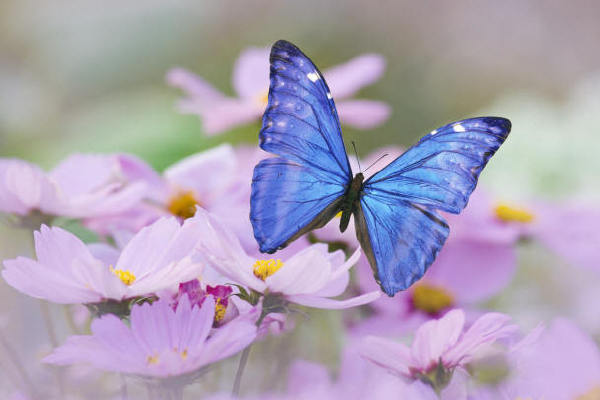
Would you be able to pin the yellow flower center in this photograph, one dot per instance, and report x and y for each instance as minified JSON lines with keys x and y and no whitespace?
{"x":220,"y":311}
{"x":183,"y":205}
{"x":265,"y":268}
{"x":593,"y":394}
{"x":431,"y":299}
{"x":263,"y":99}
{"x":507,"y":213}
{"x":152,"y":360}
{"x":127,"y":277}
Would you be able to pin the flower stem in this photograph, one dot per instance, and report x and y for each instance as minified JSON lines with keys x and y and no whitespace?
{"x":235,"y":392}
{"x":54,"y":342}
{"x":14,"y":358}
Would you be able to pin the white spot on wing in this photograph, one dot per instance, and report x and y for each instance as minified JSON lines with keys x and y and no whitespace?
{"x":459,"y":128}
{"x":313,"y":76}
{"x":329,"y":95}
{"x":433,"y":132}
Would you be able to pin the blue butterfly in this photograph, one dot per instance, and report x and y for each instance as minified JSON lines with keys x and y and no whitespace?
{"x":394,"y":210}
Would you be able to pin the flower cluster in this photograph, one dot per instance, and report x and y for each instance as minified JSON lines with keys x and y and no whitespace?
{"x":167,"y":282}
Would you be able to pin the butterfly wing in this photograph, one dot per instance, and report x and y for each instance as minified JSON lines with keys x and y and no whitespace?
{"x":302,"y":188}
{"x":396,"y":222}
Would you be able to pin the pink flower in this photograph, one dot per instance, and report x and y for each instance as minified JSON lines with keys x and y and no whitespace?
{"x":68,"y":271}
{"x":310,"y":277}
{"x":81,"y":186}
{"x":160,"y":342}
{"x":439,"y":347}
{"x":251,"y":83}
{"x":562,"y":364}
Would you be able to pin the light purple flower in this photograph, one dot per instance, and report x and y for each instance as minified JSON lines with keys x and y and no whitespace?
{"x":563,"y":363}
{"x":82,"y":185}
{"x":160,"y":342}
{"x":68,"y":271}
{"x":251,"y":83}
{"x":310,"y":277}
{"x":439,"y":347}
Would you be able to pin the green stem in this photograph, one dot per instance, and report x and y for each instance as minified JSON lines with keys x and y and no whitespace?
{"x":235,"y":392}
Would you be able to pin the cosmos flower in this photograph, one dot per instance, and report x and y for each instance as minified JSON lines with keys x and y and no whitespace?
{"x":251,"y":83}
{"x":160,"y":341}
{"x":68,"y":271}
{"x":439,"y":347}
{"x":81,"y":186}
{"x":204,"y":179}
{"x":310,"y":277}
{"x":563,"y":363}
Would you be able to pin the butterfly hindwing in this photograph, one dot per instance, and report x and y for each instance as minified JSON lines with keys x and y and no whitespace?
{"x":400,"y":230}
{"x":302,"y":188}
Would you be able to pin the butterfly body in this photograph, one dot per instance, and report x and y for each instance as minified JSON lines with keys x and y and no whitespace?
{"x":351,"y":200}
{"x":309,"y":180}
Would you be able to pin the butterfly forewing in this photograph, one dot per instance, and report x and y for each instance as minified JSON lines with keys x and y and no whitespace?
{"x":398,"y":203}
{"x":302,"y":188}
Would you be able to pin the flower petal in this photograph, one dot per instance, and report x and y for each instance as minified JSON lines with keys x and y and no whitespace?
{"x":251,"y":73}
{"x":346,"y":79}
{"x":393,"y":356}
{"x":363,"y":114}
{"x":332,"y":304}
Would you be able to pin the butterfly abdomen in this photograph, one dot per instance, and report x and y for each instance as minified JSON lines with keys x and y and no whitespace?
{"x":350,"y":199}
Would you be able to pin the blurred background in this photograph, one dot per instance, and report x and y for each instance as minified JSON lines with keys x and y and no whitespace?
{"x":89,"y":76}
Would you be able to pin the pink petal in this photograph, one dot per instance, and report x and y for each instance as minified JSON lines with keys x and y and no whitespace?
{"x":472,"y":270}
{"x":393,"y":356}
{"x":571,"y":231}
{"x":363,"y":114}
{"x":39,"y":281}
{"x":23,"y":186}
{"x":435,"y":337}
{"x":209,"y":174}
{"x":487,"y":329}
{"x":230,"y":113}
{"x":346,"y":79}
{"x":332,"y":304}
{"x":202,"y":92}
{"x":135,"y":169}
{"x":251,"y":73}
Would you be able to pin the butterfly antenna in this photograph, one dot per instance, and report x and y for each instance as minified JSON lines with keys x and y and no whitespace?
{"x":356,"y":152}
{"x":376,"y":161}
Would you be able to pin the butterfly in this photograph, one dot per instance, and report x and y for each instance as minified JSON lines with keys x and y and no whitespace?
{"x":395,"y":210}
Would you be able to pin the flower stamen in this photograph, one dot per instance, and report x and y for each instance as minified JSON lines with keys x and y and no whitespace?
{"x":152,"y":360}
{"x":264,"y":268}
{"x":507,"y":213}
{"x":431,"y":299}
{"x":183,"y":204}
{"x":220,"y":310}
{"x":126,"y":276}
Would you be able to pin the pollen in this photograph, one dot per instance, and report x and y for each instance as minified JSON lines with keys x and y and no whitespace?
{"x":126,"y":276}
{"x":220,"y":310}
{"x":431,"y":299}
{"x":183,"y":204}
{"x":264,"y":268}
{"x":507,"y":213}
{"x":338,"y":215}
{"x":263,"y":99}
{"x":152,"y":360}
{"x":184,"y":354}
{"x":592,"y":394}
